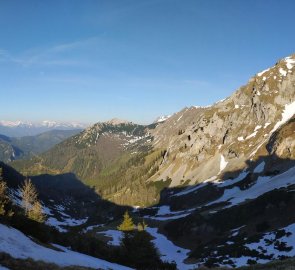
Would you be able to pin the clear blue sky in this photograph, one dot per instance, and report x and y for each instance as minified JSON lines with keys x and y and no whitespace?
{"x":134,"y":59}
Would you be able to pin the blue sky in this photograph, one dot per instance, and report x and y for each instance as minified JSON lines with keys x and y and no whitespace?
{"x":90,"y":61}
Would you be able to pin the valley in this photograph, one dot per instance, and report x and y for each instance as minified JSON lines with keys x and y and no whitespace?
{"x":215,"y":186}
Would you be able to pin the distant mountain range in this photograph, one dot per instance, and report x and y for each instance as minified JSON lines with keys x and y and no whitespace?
{"x":13,"y":148}
{"x":20,"y":128}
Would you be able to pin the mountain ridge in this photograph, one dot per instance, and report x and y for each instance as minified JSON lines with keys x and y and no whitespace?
{"x":13,"y":148}
{"x":26,"y":128}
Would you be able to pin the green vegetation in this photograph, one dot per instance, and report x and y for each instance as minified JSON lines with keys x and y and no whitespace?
{"x":160,"y":185}
{"x":142,"y":226}
{"x":127,"y":225}
{"x":5,"y":208}
{"x":138,"y":248}
{"x":28,"y":146}
{"x":99,"y":160}
{"x":3,"y":195}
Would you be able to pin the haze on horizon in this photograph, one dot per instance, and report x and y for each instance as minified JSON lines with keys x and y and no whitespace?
{"x":90,"y":61}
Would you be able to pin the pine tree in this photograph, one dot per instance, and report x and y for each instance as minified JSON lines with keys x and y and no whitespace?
{"x":127,"y":225}
{"x":141,"y":226}
{"x":4,"y":199}
{"x":36,"y":213}
{"x":3,"y":196}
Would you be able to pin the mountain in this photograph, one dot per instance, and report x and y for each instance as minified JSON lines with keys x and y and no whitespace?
{"x":8,"y":151}
{"x":194,"y":145}
{"x":21,"y":129}
{"x":110,"y":156}
{"x":23,"y":147}
{"x":215,"y":184}
{"x":206,"y":142}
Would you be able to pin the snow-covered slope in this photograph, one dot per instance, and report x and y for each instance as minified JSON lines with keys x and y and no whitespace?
{"x":19,"y":246}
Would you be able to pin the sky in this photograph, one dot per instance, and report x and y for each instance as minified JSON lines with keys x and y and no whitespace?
{"x":90,"y":61}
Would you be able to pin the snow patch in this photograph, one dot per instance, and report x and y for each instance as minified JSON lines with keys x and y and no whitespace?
{"x":230,"y":182}
{"x":223,"y":163}
{"x":179,"y":118}
{"x":162,"y":119}
{"x":260,"y":168}
{"x":252,"y":135}
{"x":170,"y":252}
{"x":263,"y":185}
{"x":266,"y":125}
{"x":289,"y":62}
{"x":269,"y":243}
{"x":283,"y":72}
{"x":115,"y":235}
{"x":262,"y":72}
{"x":287,"y":114}
{"x":164,"y":213}
{"x":19,"y":246}
{"x":70,"y":222}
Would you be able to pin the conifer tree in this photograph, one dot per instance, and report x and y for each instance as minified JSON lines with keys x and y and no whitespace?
{"x":30,"y":202}
{"x":4,"y":199}
{"x":36,"y":213}
{"x":127,"y":225}
{"x":141,"y":226}
{"x":3,"y":196}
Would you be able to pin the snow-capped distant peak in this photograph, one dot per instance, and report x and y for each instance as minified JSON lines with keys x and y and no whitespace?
{"x":45,"y":123}
{"x":20,"y":128}
{"x":12,"y":123}
{"x":162,"y":118}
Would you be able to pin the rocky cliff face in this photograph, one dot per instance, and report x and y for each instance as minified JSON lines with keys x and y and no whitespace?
{"x":205,"y":142}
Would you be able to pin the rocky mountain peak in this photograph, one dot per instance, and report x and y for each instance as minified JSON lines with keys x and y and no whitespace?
{"x":204,"y":142}
{"x":117,"y":121}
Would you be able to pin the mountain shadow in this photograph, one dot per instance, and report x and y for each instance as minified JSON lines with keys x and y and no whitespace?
{"x":224,"y":218}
